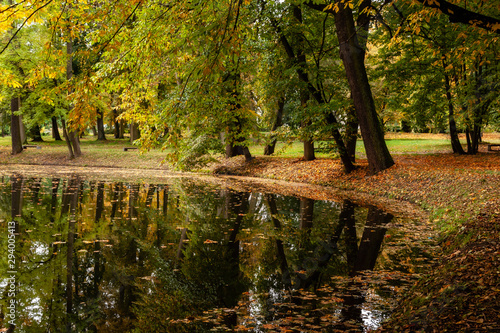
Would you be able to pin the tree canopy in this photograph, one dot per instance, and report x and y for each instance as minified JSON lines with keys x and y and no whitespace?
{"x":196,"y":77}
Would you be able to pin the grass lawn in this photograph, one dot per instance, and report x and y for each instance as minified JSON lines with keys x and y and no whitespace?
{"x":110,"y":153}
{"x":398,"y":143}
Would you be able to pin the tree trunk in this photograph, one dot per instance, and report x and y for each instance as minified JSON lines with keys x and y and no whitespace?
{"x":55,"y":130}
{"x":352,"y":55}
{"x":2,"y":133}
{"x":15,"y":127}
{"x":351,"y":133}
{"x":75,"y":142}
{"x":304,"y":93}
{"x":233,"y":150}
{"x":122,"y":129}
{"x":17,"y":181}
{"x":35,"y":134}
{"x":71,"y":136}
{"x":100,"y":126}
{"x":330,"y":117}
{"x":68,"y":142}
{"x":455,"y":142}
{"x":235,"y":141}
{"x":269,"y":149}
{"x":24,"y":138}
{"x":308,"y":143}
{"x":116,"y":129}
{"x":116,"y":122}
{"x":134,"y":132}
{"x":309,"y":150}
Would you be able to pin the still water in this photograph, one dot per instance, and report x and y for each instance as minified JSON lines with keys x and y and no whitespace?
{"x":188,"y":256}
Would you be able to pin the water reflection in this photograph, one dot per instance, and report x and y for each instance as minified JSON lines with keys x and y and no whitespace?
{"x":97,"y":256}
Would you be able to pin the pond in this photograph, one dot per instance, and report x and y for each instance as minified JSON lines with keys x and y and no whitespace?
{"x":186,"y":255}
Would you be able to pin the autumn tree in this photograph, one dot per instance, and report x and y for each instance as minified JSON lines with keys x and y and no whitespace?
{"x":352,"y":52}
{"x":451,"y":70}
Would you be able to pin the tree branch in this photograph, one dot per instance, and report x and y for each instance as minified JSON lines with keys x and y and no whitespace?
{"x":458,"y":14}
{"x":105,"y":44}
{"x":22,"y":25}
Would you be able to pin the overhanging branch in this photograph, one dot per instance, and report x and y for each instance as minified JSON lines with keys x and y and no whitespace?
{"x":458,"y":14}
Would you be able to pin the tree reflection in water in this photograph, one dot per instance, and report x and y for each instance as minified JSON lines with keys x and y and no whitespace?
{"x":187,"y":256}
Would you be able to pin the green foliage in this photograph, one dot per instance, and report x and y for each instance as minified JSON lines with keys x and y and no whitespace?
{"x":197,"y":152}
{"x":414,"y":62}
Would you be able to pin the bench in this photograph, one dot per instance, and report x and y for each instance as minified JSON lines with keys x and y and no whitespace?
{"x":31,"y":146}
{"x":129,"y":148}
{"x":490,"y":147}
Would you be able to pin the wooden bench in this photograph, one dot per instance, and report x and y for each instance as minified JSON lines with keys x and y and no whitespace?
{"x":129,"y":148}
{"x":490,"y":147}
{"x":31,"y":146}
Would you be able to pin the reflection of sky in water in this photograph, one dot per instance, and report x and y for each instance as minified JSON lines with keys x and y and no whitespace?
{"x":34,"y":310}
{"x":371,"y":319}
{"x":39,"y":248}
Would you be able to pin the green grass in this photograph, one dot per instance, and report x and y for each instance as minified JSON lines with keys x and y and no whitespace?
{"x":396,"y":146}
{"x":110,"y":152}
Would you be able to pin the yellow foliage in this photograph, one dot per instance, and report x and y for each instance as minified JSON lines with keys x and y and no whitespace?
{"x":8,"y":79}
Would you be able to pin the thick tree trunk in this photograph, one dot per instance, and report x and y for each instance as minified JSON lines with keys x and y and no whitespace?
{"x":233,"y":150}
{"x":122,"y":130}
{"x":134,"y":132}
{"x":99,"y":202}
{"x":17,"y":182}
{"x":15,"y":127}
{"x":117,"y":129}
{"x":35,"y":134}
{"x":308,"y":143}
{"x":281,"y":256}
{"x":269,"y":149}
{"x":352,"y":55}
{"x":75,"y":142}
{"x":118,"y":126}
{"x":55,"y":129}
{"x":16,"y":213}
{"x":309,"y":150}
{"x":235,"y":145}
{"x":100,"y":126}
